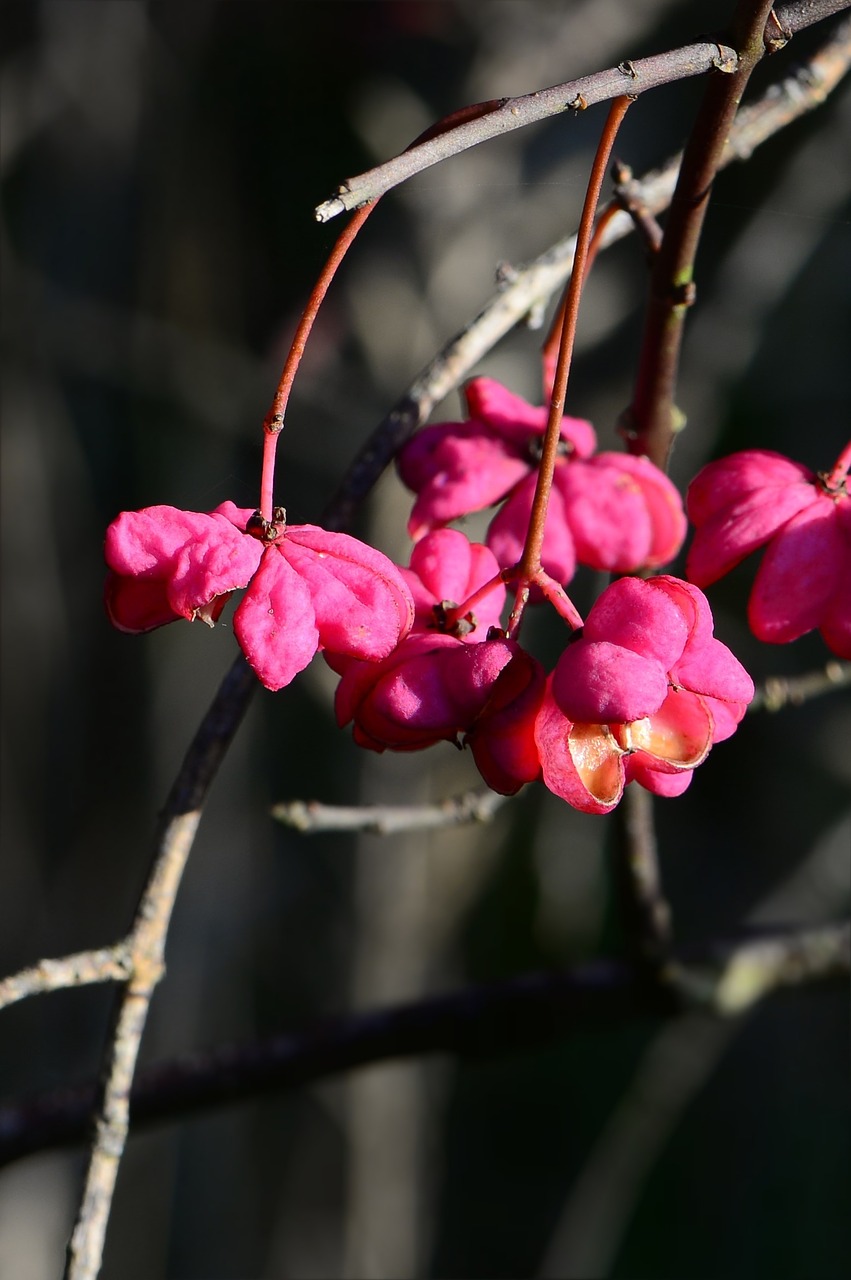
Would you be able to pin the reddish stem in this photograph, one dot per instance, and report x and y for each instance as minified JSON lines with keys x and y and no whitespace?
{"x":530,"y":562}
{"x":652,"y":420}
{"x":274,"y":421}
{"x":459,"y":611}
{"x":550,"y":349}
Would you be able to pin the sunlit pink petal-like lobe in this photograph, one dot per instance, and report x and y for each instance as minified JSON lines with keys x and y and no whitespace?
{"x":668,"y":524}
{"x":238,"y":516}
{"x":580,"y":763}
{"x":506,"y":534}
{"x":430,"y":688}
{"x":456,"y":468}
{"x":661,"y":784}
{"x":715,"y":672}
{"x":502,"y":738}
{"x":600,"y":682}
{"x":360,"y":600}
{"x":447,"y":567}
{"x":732,"y":479}
{"x":800,"y":574}
{"x":737,"y":504}
{"x":516,"y":419}
{"x":274,"y":622}
{"x":196,"y":558}
{"x":646,"y":616}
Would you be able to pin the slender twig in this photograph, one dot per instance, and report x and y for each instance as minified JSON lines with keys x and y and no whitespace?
{"x":107,"y":964}
{"x":532,"y":1008}
{"x":531,"y":559}
{"x":513,"y":113}
{"x":533,"y":284}
{"x":630,"y":197}
{"x":310,"y":816}
{"x":634,"y":78}
{"x":146,"y":945}
{"x":786,"y":691}
{"x":780,"y":105}
{"x":273,"y":424}
{"x":647,"y":916}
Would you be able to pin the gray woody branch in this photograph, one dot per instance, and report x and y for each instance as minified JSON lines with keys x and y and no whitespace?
{"x":632,"y":78}
{"x":527,"y":288}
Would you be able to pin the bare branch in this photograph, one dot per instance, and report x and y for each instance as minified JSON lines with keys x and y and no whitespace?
{"x":652,"y":420}
{"x":532,"y":1008}
{"x":747,"y":973}
{"x":531,"y":286}
{"x":384,"y":820}
{"x":784,"y":691}
{"x":146,"y":948}
{"x":513,"y":113}
{"x":108,"y":964}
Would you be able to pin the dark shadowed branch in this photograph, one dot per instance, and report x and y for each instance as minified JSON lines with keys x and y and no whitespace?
{"x":530,"y":1009}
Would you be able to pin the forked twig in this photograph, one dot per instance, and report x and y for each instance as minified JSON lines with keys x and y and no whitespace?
{"x":137,"y":961}
{"x":574,"y":95}
{"x":532,"y":285}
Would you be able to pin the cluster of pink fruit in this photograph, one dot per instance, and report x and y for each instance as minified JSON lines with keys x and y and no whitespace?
{"x":643,"y":688}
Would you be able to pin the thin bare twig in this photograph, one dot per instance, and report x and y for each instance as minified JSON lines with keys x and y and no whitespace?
{"x":532,"y":1008}
{"x":513,"y":113}
{"x":107,"y":964}
{"x":146,"y":947}
{"x":791,"y":691}
{"x":532,"y":285}
{"x":311,"y":816}
{"x":634,"y":78}
{"x":148,"y":936}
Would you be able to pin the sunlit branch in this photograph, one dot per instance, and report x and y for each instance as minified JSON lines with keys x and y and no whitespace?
{"x":632,"y":77}
{"x":310,"y":816}
{"x":146,"y":948}
{"x":785,"y":691}
{"x":532,"y":285}
{"x":107,"y":964}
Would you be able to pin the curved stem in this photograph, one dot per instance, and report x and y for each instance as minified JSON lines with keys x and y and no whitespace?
{"x":530,"y":562}
{"x":274,"y":421}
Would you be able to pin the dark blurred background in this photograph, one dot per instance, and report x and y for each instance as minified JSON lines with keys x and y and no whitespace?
{"x":160,"y":164}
